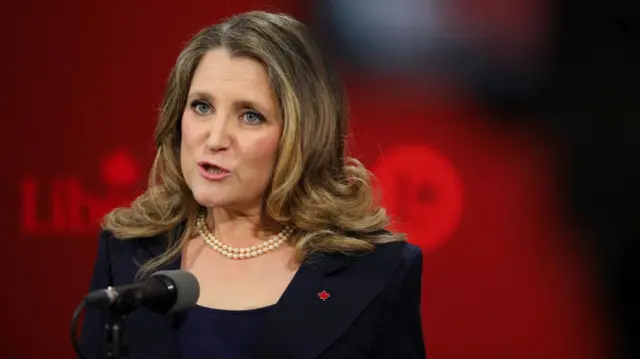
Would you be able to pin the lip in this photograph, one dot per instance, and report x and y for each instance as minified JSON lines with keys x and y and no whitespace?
{"x":212,"y":176}
{"x":209,"y":163}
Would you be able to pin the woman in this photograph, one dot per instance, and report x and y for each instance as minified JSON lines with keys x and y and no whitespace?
{"x":251,"y":192}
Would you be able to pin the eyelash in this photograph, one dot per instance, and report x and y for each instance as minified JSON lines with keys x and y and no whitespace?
{"x":197,"y":103}
{"x":194,"y":106}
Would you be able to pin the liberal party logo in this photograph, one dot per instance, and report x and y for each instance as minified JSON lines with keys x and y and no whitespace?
{"x":422,"y":191}
{"x":65,"y":205}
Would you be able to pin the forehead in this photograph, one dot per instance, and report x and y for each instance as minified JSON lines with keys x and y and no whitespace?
{"x":224,"y":75}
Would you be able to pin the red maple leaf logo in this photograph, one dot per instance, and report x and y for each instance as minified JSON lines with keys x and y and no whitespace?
{"x":324,"y":295}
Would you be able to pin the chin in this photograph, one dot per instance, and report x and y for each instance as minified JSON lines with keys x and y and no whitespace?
{"x":209,"y":200}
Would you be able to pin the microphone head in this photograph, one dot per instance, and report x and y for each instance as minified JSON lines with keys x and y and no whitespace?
{"x":187,"y":288}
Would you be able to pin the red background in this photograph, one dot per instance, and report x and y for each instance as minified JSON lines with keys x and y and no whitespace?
{"x":503,"y":275}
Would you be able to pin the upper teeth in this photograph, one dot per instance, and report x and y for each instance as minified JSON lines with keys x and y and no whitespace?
{"x":214,"y":170}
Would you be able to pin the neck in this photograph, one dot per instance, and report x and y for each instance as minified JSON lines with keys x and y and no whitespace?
{"x":241,"y":229}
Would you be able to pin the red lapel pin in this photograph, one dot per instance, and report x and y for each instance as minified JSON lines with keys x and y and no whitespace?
{"x":324,"y":295}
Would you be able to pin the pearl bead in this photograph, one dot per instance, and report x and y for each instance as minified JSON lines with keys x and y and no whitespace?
{"x":240,"y":253}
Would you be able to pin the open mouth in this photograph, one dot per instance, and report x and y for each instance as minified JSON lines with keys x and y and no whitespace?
{"x":213,"y":169}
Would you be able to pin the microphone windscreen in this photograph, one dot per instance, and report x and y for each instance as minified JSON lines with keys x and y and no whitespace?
{"x":187,"y":289}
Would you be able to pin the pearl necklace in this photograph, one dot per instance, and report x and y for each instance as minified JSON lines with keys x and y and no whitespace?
{"x":240,"y":253}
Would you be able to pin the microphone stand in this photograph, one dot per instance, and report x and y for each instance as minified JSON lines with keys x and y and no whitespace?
{"x":114,"y":339}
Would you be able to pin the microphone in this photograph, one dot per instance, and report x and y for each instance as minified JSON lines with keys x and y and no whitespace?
{"x":164,"y":292}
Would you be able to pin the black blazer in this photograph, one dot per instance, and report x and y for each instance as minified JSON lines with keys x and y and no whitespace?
{"x":373,"y":310}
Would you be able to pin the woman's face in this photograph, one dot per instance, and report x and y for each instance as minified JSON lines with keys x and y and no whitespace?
{"x":231,"y":127}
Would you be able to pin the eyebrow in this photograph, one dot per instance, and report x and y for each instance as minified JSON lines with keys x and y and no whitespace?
{"x":239,"y":104}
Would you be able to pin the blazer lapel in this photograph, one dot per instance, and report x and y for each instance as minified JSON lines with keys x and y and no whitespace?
{"x":303,"y":325}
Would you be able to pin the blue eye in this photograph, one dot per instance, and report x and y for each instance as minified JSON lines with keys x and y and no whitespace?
{"x":201,"y":107}
{"x":252,"y":118}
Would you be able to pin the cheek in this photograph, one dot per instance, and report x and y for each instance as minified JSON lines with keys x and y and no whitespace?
{"x":187,"y":140}
{"x":263,"y":151}
{"x":189,"y":134}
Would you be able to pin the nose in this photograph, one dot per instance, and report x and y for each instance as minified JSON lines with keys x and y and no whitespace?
{"x":220,"y":133}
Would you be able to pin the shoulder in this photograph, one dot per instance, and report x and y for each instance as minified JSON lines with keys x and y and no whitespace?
{"x":126,"y":255}
{"x":402,"y":259}
{"x":112,"y":245}
{"x":402,"y":251}
{"x":109,"y":240}
{"x":113,"y":252}
{"x":390,"y":263}
{"x":407,"y":276}
{"x":393,"y":255}
{"x":400,"y":277}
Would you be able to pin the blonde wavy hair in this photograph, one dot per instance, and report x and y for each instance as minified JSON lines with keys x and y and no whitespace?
{"x":316,"y":189}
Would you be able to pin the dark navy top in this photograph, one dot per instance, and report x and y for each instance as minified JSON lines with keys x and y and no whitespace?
{"x":216,"y":333}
